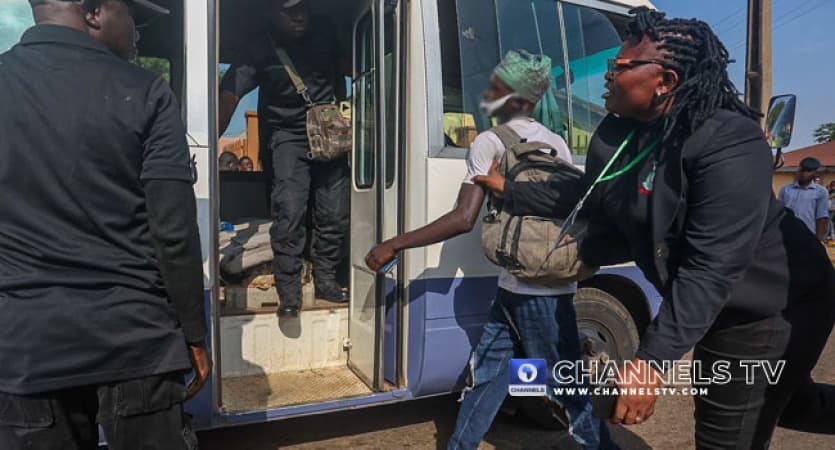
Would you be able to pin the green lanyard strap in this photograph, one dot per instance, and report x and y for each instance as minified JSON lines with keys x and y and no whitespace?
{"x":603,"y":175}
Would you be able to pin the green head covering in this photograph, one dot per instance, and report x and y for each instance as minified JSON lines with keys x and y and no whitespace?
{"x":528,"y":75}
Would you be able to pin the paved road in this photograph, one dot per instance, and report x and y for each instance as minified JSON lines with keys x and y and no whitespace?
{"x":427,"y":424}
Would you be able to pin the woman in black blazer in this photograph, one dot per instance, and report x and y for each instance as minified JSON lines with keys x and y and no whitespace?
{"x":688,"y":197}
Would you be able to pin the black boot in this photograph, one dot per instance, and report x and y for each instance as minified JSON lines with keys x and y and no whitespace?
{"x":288,"y":311}
{"x":331,"y":291}
{"x":289,"y":302}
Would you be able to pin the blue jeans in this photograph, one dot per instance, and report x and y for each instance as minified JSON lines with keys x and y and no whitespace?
{"x":524,"y":326}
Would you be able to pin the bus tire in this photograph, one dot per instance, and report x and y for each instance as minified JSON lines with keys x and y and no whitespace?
{"x":607,"y":330}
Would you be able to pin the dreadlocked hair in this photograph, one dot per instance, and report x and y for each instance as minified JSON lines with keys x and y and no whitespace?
{"x":700,"y":59}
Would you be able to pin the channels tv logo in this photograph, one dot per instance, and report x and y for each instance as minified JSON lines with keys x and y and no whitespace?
{"x":528,"y":377}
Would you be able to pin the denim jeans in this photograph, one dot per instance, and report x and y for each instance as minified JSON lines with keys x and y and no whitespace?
{"x":524,"y":326}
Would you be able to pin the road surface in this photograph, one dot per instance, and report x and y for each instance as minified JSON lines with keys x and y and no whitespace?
{"x":427,"y":424}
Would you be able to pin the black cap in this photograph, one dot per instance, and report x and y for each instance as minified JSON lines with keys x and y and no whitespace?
{"x":287,"y":4}
{"x":149,"y":7}
{"x":810,"y":164}
{"x":143,"y":5}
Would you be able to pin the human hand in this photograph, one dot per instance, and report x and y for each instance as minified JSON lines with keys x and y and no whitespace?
{"x":201,"y":361}
{"x":633,"y":409}
{"x":493,"y":180}
{"x":380,"y":255}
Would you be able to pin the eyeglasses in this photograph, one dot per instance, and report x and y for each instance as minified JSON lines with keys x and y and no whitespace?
{"x":617,"y":65}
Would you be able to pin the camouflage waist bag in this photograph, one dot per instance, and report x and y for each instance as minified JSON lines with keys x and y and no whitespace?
{"x":526,"y":246}
{"x":329,"y":133}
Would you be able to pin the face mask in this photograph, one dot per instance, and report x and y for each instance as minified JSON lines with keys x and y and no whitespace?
{"x":490,"y":108}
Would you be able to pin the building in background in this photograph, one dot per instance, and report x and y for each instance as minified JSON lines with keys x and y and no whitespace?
{"x":825,"y":153}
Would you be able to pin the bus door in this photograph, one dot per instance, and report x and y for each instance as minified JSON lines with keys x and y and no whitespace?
{"x":374,"y":199}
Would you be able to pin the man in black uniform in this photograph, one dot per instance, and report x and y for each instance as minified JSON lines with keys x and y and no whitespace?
{"x":311,"y":45}
{"x":101,"y":290}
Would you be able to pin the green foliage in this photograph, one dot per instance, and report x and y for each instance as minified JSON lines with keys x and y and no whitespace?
{"x":157,"y":65}
{"x":825,"y":133}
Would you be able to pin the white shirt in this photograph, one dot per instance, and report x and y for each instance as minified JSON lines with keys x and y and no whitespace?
{"x":487,"y":148}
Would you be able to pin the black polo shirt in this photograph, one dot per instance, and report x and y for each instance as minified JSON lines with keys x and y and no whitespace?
{"x":256,"y":65}
{"x":81,"y":297}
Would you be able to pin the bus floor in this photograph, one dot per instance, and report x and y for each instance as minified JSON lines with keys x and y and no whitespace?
{"x":267,"y":362}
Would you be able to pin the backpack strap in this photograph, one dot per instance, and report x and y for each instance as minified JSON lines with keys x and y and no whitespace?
{"x":510,"y":138}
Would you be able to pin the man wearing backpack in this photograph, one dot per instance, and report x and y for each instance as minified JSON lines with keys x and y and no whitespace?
{"x":527,"y":320}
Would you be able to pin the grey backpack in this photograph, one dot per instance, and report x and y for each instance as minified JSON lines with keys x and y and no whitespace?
{"x":527,"y":245}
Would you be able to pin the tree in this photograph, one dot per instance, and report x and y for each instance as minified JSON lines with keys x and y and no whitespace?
{"x":825,"y":133}
{"x":157,"y":65}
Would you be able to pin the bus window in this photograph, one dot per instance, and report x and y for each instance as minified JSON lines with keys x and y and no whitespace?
{"x":591,"y":38}
{"x":364,"y":87}
{"x":15,"y":18}
{"x":364,"y":80}
{"x":473,"y":39}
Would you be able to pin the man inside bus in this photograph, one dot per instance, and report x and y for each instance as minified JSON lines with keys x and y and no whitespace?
{"x":312,"y":47}
{"x":527,"y":320}
{"x":101,"y":281}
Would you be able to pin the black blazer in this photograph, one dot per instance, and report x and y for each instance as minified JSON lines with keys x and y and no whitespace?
{"x":721,"y":241}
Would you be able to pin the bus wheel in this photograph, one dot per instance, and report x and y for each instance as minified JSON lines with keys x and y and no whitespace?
{"x":607,"y":332}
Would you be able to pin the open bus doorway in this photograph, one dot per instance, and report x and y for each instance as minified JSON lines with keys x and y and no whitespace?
{"x":266,"y":361}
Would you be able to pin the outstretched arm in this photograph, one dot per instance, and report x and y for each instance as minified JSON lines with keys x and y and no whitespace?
{"x":458,"y":221}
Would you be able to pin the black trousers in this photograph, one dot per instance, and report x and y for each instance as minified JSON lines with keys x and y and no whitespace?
{"x":296,"y":183}
{"x":739,"y":415}
{"x":144,"y":413}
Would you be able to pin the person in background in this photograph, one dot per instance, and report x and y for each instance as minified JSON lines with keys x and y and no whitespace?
{"x":809,"y":201}
{"x":830,"y":234}
{"x":312,"y":45}
{"x":527,"y":320}
{"x":228,"y":162}
{"x":246,"y":164}
{"x":101,"y":280}
{"x":818,"y":180}
{"x":687,"y":195}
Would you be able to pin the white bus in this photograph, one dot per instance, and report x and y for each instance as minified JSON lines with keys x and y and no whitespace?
{"x":419,"y":67}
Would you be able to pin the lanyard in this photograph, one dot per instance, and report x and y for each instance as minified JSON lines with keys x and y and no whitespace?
{"x":605,"y":176}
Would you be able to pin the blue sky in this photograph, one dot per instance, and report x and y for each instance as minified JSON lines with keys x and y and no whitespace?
{"x":804,"y":51}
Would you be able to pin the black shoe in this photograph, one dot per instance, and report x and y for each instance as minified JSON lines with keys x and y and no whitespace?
{"x":332,"y":292}
{"x":288,"y":311}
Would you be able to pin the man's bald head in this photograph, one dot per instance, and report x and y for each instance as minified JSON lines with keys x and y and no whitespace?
{"x":109,"y":21}
{"x":59,"y":12}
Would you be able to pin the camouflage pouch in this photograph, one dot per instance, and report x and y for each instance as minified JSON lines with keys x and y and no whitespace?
{"x":329,"y":133}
